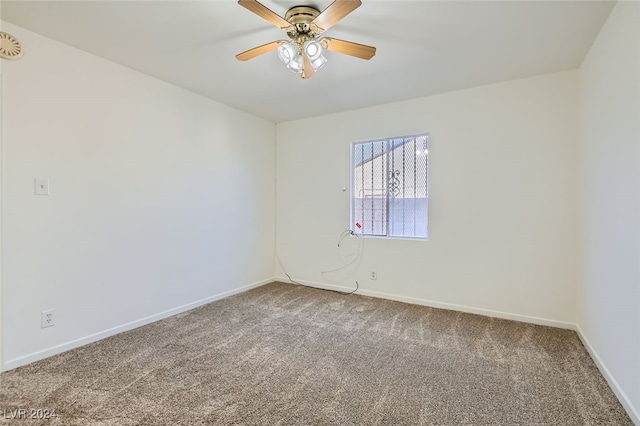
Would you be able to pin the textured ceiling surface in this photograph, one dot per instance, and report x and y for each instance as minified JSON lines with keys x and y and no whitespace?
{"x":423,"y":47}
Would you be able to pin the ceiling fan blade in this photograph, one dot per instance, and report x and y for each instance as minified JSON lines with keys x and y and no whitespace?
{"x":307,"y":68}
{"x":256,"y":51}
{"x":264,"y":12}
{"x":335,"y":12}
{"x":349,"y":48}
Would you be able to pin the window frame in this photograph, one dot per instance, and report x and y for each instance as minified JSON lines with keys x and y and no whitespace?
{"x":352,"y":197}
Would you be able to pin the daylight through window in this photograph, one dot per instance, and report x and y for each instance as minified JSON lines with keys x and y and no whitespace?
{"x":389,"y":192}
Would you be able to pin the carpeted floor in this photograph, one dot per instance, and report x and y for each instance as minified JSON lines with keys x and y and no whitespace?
{"x":290,"y":355}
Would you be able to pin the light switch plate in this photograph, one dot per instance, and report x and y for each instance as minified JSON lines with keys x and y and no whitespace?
{"x":41,"y":186}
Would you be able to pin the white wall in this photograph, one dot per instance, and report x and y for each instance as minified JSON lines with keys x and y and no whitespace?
{"x":1,"y":218}
{"x":609,"y":294}
{"x":503,"y":184}
{"x":159,"y":199}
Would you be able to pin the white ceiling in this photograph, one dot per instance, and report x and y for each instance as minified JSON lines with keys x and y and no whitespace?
{"x":424,"y":47}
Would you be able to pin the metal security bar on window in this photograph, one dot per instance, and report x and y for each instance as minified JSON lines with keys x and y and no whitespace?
{"x":389,"y":194}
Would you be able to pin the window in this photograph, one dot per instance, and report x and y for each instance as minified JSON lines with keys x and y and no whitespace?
{"x":389,"y":192}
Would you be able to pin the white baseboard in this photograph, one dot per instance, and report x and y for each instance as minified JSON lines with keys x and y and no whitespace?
{"x":36,"y":356}
{"x":441,"y":305}
{"x":613,"y":383}
{"x":622,"y":397}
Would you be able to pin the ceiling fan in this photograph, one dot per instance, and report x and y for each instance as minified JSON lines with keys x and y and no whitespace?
{"x":302,"y":54}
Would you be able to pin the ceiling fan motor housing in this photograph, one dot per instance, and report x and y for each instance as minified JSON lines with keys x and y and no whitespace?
{"x":302,"y":28}
{"x":301,"y":14}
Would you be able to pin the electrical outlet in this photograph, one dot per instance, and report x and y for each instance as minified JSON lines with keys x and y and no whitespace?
{"x":47,"y":319}
{"x":374,"y":275}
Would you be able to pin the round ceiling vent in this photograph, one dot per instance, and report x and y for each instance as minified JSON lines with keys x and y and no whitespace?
{"x":10,"y":48}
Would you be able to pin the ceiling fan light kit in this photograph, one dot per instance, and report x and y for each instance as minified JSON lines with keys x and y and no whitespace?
{"x":303,"y":53}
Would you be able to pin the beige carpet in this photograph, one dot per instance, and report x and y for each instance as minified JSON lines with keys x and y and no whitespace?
{"x":290,"y":355}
